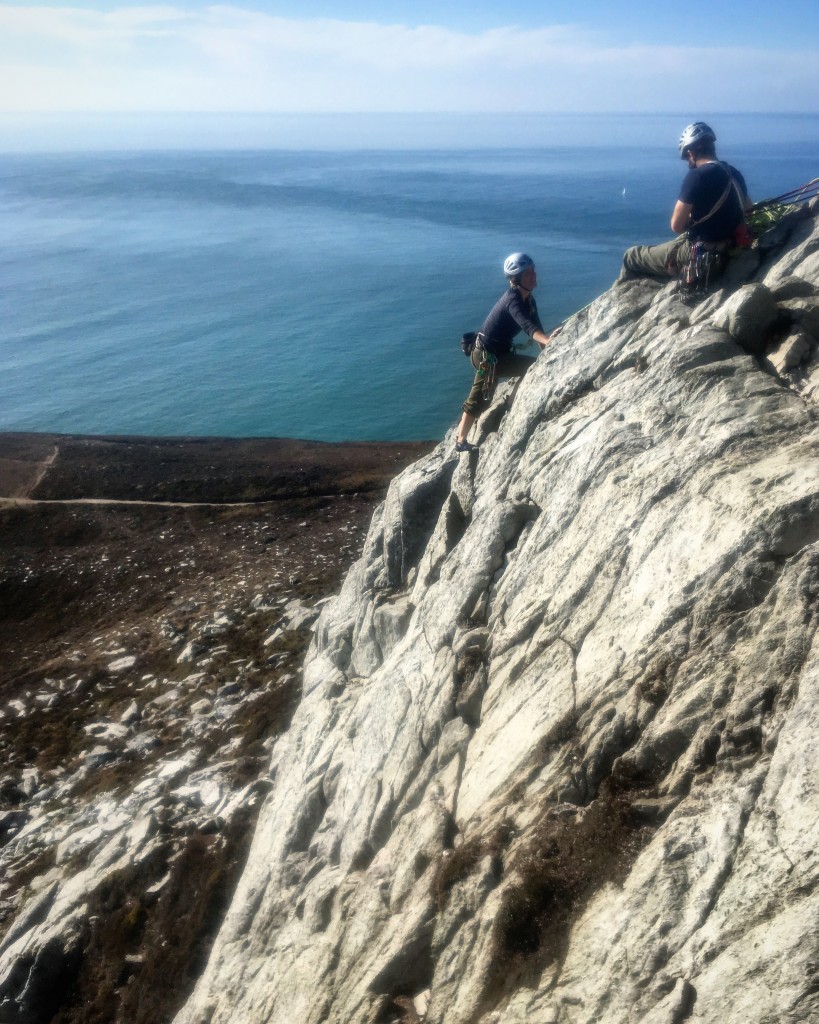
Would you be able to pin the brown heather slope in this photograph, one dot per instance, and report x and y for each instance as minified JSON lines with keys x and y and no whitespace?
{"x":133,"y":546}
{"x":99,"y":531}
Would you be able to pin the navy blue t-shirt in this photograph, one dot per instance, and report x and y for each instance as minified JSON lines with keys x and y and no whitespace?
{"x":510,"y":315}
{"x":702,"y":187}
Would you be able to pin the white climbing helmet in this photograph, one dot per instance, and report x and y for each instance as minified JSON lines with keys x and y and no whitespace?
{"x":695,"y":134}
{"x":516,"y":264}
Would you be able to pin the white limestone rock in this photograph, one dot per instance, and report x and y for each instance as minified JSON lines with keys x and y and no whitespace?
{"x":555,"y":757}
{"x":122,"y":664}
{"x":603,"y":645}
{"x":107,"y":732}
{"x":296,"y":614}
{"x":789,"y":353}
{"x":190,"y":652}
{"x":748,"y":315}
{"x":131,"y":715}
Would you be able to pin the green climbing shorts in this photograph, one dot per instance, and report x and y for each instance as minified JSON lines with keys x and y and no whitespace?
{"x":509,"y":364}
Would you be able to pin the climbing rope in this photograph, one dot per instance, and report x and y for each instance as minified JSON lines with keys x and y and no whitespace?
{"x":762,"y":216}
{"x":802,"y":194}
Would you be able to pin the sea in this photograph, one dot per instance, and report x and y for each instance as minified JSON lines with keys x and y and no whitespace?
{"x":282,"y":276}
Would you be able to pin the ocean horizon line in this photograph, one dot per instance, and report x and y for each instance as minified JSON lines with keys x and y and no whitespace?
{"x":231,"y":131}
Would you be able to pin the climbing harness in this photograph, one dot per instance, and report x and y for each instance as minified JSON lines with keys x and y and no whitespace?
{"x":705,"y":264}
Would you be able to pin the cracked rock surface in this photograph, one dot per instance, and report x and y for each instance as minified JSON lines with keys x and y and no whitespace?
{"x":555,"y":758}
{"x":151,"y":649}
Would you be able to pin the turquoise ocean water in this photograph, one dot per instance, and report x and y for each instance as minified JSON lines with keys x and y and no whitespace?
{"x":317,"y":287}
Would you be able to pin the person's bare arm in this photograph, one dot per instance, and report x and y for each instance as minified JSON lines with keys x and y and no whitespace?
{"x":543,"y":339}
{"x":681,"y":217}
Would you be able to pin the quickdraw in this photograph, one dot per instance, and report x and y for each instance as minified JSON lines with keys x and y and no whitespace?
{"x":488,"y":371}
{"x":703,"y":267}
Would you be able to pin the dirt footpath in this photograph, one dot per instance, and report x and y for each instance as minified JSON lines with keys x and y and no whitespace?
{"x":99,"y":532}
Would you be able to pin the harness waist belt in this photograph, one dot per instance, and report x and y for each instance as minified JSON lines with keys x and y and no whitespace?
{"x":723,"y":246}
{"x":480,"y":340}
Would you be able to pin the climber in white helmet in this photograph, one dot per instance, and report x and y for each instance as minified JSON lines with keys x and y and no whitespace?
{"x":494,"y":354}
{"x":710,"y":210}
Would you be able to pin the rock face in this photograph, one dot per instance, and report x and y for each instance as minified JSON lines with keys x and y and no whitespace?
{"x":556,"y":755}
{"x":555,"y":758}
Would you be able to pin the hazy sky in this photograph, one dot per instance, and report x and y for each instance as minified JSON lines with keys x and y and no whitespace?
{"x":359,"y":55}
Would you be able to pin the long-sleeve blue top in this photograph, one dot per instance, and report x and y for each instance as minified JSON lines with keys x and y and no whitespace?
{"x":510,"y":315}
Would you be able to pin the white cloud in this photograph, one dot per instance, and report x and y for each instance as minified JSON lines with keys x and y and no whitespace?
{"x":227,"y":58}
{"x":82,"y":27}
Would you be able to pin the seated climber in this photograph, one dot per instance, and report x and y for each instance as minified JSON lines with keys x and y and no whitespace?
{"x":710,"y":210}
{"x":494,"y":354}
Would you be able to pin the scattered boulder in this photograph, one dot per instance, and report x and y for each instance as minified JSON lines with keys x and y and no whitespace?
{"x":131,"y":715}
{"x":748,"y":316}
{"x":297,"y":615}
{"x":190,"y":652}
{"x":98,"y":756}
{"x":789,"y":353}
{"x":122,"y":664}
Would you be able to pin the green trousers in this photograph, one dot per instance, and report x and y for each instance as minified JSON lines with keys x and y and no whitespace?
{"x":665,"y":260}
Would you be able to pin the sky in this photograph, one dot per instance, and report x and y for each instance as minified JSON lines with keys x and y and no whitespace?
{"x":309,"y":56}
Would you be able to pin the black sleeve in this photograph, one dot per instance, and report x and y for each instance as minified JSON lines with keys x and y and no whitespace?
{"x":525,"y":317}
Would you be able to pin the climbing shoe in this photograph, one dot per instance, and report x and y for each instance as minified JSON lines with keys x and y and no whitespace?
{"x":465,"y":446}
